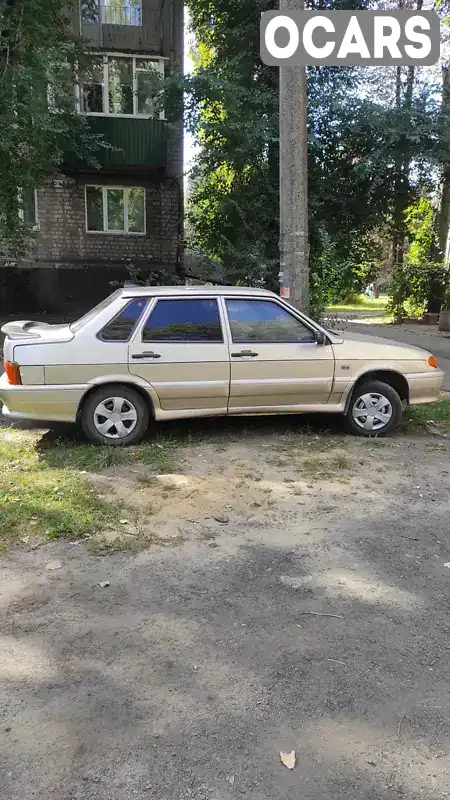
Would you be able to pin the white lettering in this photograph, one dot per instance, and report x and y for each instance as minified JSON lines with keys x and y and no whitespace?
{"x":294,"y":37}
{"x":421,"y":38}
{"x":389,"y":39}
{"x":308,"y":44}
{"x":353,"y":41}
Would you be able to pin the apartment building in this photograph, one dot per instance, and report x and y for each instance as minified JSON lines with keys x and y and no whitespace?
{"x":89,"y":224}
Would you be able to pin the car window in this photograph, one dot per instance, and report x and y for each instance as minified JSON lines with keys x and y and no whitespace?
{"x":264,"y":321}
{"x":193,"y":320}
{"x":94,"y":312}
{"x":122,"y":326}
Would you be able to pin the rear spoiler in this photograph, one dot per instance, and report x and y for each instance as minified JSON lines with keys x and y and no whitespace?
{"x":22,"y":329}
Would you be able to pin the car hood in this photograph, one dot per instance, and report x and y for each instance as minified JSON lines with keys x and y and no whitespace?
{"x":361,"y":345}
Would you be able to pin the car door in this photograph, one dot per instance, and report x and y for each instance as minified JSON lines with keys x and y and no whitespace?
{"x":181,"y":351}
{"x":276,"y":363}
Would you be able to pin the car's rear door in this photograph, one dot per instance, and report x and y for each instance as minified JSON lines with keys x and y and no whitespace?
{"x":276,"y":363}
{"x":180,"y":349}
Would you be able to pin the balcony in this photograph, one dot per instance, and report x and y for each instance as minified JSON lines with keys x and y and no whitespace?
{"x":121,"y":24}
{"x":136,"y":144}
{"x":114,"y":12}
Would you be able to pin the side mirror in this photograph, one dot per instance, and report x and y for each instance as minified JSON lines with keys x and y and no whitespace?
{"x":320,"y":338}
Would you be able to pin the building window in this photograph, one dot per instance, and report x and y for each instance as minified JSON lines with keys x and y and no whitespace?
{"x":112,"y":12}
{"x":115,"y":209}
{"x":28,"y":208}
{"x":120,"y":85}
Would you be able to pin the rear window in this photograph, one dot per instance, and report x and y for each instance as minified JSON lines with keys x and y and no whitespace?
{"x":80,"y":323}
{"x":122,"y":326}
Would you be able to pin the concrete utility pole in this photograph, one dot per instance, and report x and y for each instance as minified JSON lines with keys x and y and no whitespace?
{"x":294,"y":247}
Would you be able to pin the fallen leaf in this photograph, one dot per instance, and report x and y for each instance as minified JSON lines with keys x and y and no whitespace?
{"x":288,"y":759}
{"x":54,"y":565}
{"x":25,"y":539}
{"x":222,"y":518}
{"x":104,"y":584}
{"x":124,"y":521}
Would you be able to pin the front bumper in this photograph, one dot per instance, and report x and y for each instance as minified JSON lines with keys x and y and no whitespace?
{"x":425,"y":387}
{"x":47,"y":403}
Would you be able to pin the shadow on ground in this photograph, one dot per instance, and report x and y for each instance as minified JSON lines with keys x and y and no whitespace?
{"x":189,"y":673}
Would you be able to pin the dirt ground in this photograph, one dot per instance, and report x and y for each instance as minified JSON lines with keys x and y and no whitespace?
{"x":311,"y":615}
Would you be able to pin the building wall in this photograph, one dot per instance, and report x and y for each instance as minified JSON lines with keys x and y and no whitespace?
{"x":62,"y":220}
{"x":68,"y":268}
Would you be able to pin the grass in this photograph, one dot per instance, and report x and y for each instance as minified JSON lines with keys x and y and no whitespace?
{"x":325,"y":469}
{"x":438,"y":413}
{"x":157,"y":454}
{"x":49,"y":502}
{"x":362,"y":303}
{"x":45,"y":491}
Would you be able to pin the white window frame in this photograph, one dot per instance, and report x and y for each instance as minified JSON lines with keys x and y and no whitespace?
{"x":36,"y":225}
{"x":102,"y":9}
{"x":157,"y":60}
{"x":105,"y":231}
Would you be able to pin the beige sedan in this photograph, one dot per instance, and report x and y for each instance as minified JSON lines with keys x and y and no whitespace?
{"x":160,"y":353}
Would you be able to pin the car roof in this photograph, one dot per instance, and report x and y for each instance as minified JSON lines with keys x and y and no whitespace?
{"x":192,"y":291}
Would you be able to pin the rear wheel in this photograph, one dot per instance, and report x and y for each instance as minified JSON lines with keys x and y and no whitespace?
{"x":115,"y":415}
{"x":375,"y":409}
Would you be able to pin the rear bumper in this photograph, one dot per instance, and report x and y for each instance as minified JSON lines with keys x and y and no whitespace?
{"x":47,"y":403}
{"x":425,"y":387}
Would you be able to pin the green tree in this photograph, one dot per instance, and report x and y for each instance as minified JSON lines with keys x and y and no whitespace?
{"x":420,"y":283}
{"x":355,"y":145}
{"x":40,"y":127}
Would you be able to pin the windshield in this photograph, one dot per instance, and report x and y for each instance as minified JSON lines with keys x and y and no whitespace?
{"x":80,"y":323}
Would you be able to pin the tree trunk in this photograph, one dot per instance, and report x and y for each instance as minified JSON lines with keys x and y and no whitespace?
{"x":402,"y":186}
{"x":444,"y":211}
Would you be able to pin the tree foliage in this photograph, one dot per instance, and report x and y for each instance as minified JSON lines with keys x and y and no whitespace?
{"x":422,"y":279}
{"x":360,"y":154}
{"x":39,"y":123}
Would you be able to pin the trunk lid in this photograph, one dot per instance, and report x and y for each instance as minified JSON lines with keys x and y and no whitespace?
{"x":27,"y":332}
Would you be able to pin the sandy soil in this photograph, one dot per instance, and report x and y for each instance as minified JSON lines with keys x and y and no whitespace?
{"x":313,"y":617}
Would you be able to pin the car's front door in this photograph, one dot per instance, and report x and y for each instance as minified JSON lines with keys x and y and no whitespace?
{"x":180,"y":350}
{"x":275,"y":360}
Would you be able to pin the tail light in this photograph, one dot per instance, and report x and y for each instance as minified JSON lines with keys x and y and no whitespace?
{"x":13,"y":373}
{"x":433,"y":362}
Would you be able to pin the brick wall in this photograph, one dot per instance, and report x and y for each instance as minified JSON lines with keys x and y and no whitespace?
{"x":63,"y":238}
{"x":68,"y":268}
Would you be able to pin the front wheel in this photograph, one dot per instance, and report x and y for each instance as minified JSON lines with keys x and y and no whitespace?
{"x":375,"y":409}
{"x":115,"y":415}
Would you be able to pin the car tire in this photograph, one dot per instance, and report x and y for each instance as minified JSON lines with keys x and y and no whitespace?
{"x":380,"y":398}
{"x":115,"y":415}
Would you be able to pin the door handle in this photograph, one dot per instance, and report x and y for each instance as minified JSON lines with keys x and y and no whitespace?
{"x":149,"y":354}
{"x":244,"y":354}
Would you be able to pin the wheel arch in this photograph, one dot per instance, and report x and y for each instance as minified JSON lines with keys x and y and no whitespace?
{"x":394,"y":379}
{"x":145,"y":392}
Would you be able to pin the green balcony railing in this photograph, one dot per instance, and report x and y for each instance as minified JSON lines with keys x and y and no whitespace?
{"x":135,"y":142}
